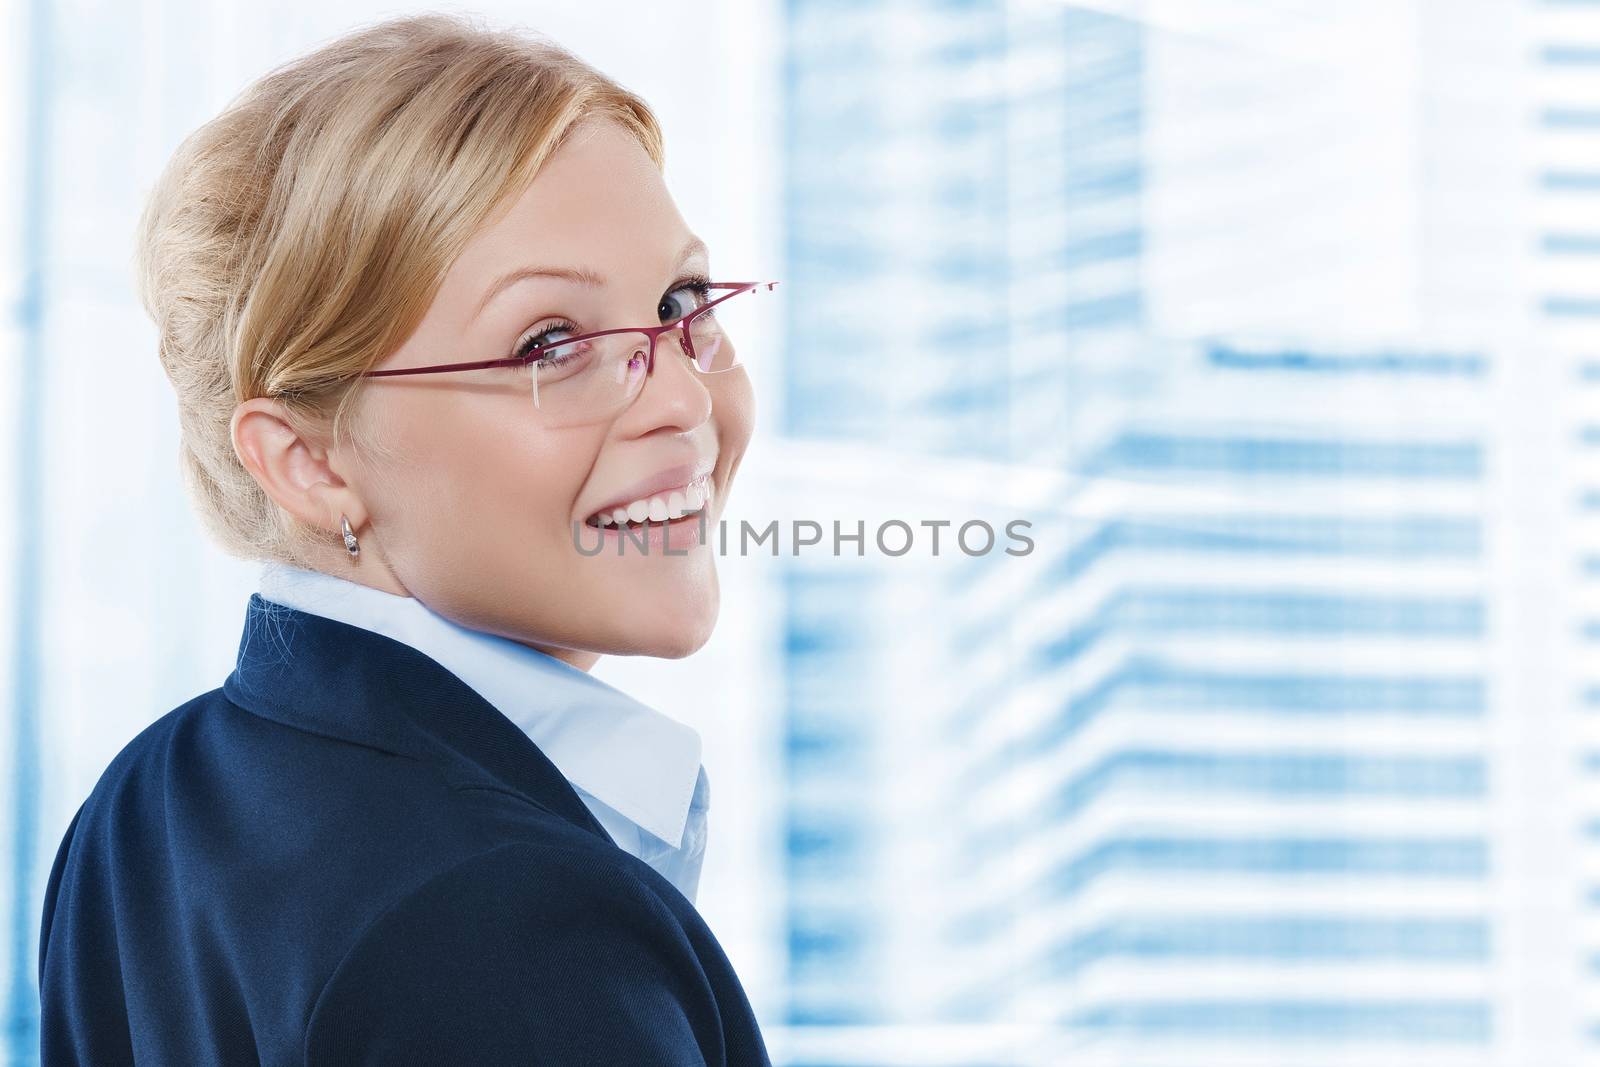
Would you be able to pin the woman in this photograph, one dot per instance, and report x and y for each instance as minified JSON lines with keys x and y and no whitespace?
{"x":409,"y":827}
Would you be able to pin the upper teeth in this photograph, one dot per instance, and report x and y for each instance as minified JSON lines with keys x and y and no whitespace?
{"x":657,"y":508}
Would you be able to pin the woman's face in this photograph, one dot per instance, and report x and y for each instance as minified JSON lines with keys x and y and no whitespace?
{"x":474,"y":513}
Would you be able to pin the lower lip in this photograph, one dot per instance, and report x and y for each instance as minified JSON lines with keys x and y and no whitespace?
{"x":654,"y":537}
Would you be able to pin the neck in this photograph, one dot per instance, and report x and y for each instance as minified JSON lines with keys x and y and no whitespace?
{"x":374,"y":572}
{"x":580,"y":658}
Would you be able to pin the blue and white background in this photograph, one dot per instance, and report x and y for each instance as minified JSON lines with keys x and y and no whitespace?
{"x":1278,"y":320}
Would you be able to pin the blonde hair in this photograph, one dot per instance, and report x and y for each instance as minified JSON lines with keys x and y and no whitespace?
{"x":298,"y":238}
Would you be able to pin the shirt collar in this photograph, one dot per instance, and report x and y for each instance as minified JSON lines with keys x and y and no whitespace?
{"x":640,"y":762}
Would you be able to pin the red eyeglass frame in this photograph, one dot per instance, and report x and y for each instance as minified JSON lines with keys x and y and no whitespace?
{"x":680,"y":323}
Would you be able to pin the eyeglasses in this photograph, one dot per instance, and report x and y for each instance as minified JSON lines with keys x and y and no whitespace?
{"x":594,"y":376}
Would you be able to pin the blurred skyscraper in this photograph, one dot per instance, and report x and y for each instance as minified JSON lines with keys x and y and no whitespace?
{"x":1268,"y":755}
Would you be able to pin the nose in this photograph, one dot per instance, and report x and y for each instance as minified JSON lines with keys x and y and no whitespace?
{"x":673,"y":392}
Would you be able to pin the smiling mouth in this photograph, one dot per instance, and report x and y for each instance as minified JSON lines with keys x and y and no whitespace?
{"x":680,"y":505}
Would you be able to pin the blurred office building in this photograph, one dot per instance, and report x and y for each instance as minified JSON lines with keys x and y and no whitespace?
{"x":1277,"y":748}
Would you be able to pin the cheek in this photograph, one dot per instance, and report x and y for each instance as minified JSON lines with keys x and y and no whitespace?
{"x":734,"y":410}
{"x":474,"y":478}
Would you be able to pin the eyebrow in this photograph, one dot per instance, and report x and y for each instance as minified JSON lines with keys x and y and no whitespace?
{"x":577,"y":275}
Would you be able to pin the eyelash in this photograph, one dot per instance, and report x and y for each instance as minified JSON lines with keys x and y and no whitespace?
{"x":699,"y":283}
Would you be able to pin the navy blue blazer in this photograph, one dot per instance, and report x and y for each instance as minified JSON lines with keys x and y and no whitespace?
{"x":344,"y":855}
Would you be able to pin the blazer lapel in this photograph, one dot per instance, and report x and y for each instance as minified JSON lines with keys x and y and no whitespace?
{"x":330,"y":678}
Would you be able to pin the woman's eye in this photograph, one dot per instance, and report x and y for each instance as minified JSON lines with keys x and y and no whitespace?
{"x":672,"y":310}
{"x":544,"y":337}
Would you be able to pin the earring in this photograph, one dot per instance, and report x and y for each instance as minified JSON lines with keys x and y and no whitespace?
{"x":351,"y":545}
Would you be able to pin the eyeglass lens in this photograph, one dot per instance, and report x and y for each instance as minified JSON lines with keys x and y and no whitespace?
{"x":595,"y":378}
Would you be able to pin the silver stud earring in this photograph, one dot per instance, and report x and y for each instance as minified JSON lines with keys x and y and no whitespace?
{"x":351,"y":545}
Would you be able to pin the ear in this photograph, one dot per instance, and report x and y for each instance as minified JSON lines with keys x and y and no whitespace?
{"x":292,"y":469}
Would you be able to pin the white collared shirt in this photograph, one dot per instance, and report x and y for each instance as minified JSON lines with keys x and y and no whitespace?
{"x":636,"y":769}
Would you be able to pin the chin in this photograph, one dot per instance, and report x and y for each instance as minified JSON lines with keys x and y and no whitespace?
{"x":672,"y":634}
{"x":683,"y":640}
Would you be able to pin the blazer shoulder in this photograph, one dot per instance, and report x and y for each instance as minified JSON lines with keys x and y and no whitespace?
{"x":528,"y":952}
{"x":145,"y":752}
